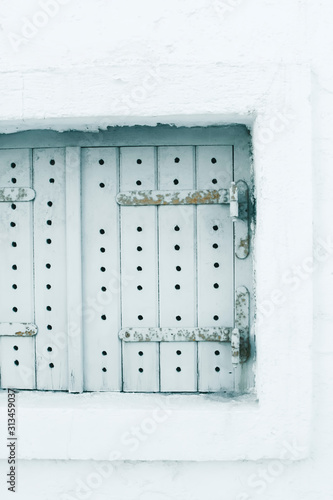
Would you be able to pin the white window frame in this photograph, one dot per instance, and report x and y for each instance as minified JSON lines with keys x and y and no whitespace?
{"x":202,"y":427}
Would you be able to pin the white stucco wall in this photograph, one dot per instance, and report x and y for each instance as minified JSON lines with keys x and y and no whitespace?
{"x":100,"y":62}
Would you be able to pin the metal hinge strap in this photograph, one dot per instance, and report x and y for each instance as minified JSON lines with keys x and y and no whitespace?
{"x":238,"y":336}
{"x":16,"y":194}
{"x":183,"y":197}
{"x":18,"y":330}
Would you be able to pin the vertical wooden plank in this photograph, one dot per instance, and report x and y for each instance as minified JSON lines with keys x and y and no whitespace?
{"x":101,"y":272}
{"x":215,"y":269}
{"x":74,"y":269}
{"x":177,"y":270}
{"x":139,"y":270}
{"x":17,"y":355}
{"x":50,"y":268}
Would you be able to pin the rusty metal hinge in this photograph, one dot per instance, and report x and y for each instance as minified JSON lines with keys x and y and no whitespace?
{"x":182,"y":197}
{"x":18,"y":330}
{"x":16,"y":194}
{"x":238,"y":336}
{"x":242,"y":220}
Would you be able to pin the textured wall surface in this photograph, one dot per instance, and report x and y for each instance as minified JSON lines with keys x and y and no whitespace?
{"x":86,"y":64}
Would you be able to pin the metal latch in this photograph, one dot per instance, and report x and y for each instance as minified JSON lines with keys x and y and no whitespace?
{"x":238,"y":336}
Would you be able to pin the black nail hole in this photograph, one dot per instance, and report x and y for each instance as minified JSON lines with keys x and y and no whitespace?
{"x":139,"y":229}
{"x":177,"y":160}
{"x":177,"y":287}
{"x":15,"y":309}
{"x":103,"y":269}
{"x":102,"y":185}
{"x":48,"y":266}
{"x":49,"y":222}
{"x":139,"y":287}
{"x":214,"y":181}
{"x":138,"y":183}
{"x":49,"y":349}
{"x":178,"y":268}
{"x":14,"y":267}
{"x":103,"y":289}
{"x":178,"y":353}
{"x":139,"y":268}
{"x":215,"y":228}
{"x":13,"y":180}
{"x":51,"y":365}
{"x":176,"y":181}
{"x":13,"y":206}
{"x":216,"y":317}
{"x":14,"y":286}
{"x":140,"y":317}
{"x":139,"y":161}
{"x":217,"y":353}
{"x":216,"y":264}
{"x":12,"y":224}
{"x":52,"y":162}
{"x":216,"y":285}
{"x":13,"y":165}
{"x":140,"y":370}
{"x":102,"y":249}
{"x":51,"y":180}
{"x":217,"y":369}
{"x":177,"y":228}
{"x":101,"y":162}
{"x":213,"y":160}
{"x":48,"y":286}
{"x":139,"y":249}
{"x":140,"y":353}
{"x":104,"y":353}
{"x":178,"y":318}
{"x":50,"y":203}
{"x":178,"y":369}
{"x":15,"y":347}
{"x":14,"y":244}
{"x":48,"y":308}
{"x":104,"y":369}
{"x":49,"y":327}
{"x":177,"y":247}
{"x":215,"y":245}
{"x":102,"y":231}
{"x":48,"y":241}
{"x":103,"y":317}
{"x":16,"y":362}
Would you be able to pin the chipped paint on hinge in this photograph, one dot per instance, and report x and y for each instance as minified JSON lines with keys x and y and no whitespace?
{"x":212,"y":334}
{"x":16,"y":194}
{"x":242,"y":223}
{"x":233,"y":201}
{"x":18,"y":329}
{"x":183,"y":197}
{"x":240,"y":341}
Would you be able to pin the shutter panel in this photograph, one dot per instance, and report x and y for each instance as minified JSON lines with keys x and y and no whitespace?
{"x":50,"y":269}
{"x":101,"y":273}
{"x":215,"y":269}
{"x":17,"y":355}
{"x":177,"y":270}
{"x":139,"y":270}
{"x":125,"y":268}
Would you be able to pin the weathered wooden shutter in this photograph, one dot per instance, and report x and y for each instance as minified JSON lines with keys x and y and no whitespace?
{"x":122,"y":269}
